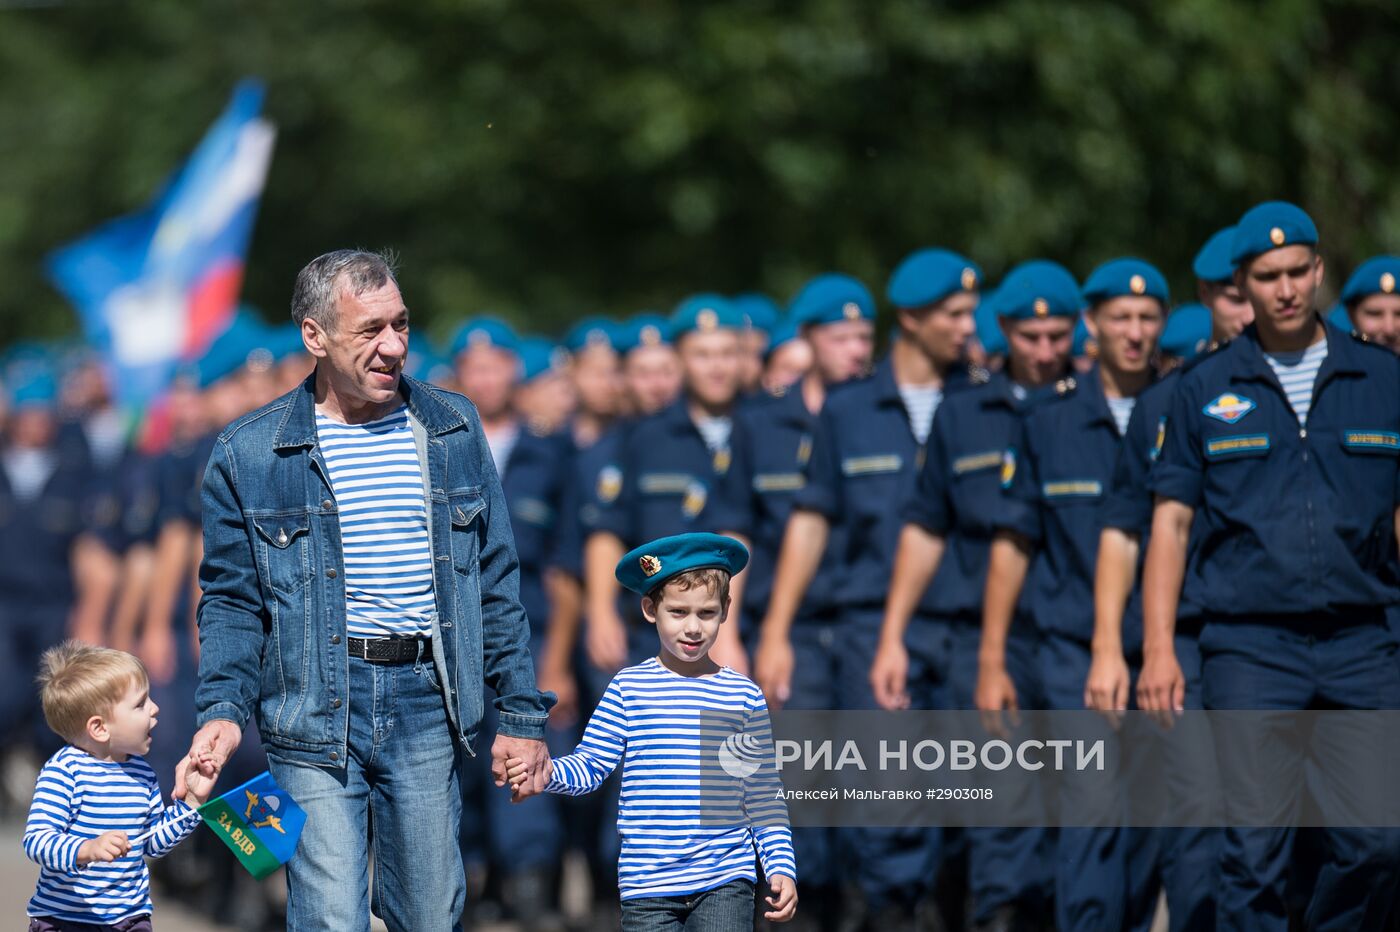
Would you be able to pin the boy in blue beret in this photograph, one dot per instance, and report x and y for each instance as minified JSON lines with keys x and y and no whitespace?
{"x":1372,"y":302}
{"x":648,"y":721}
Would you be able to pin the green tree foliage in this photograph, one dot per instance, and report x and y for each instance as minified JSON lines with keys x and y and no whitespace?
{"x":548,"y":159}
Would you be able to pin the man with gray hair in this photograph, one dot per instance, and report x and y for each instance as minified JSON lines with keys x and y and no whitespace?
{"x":360,"y":583}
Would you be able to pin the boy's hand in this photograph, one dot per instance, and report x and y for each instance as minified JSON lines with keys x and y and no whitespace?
{"x":516,"y":776}
{"x":783,"y":900}
{"x":198,"y":784}
{"x":105,"y":847}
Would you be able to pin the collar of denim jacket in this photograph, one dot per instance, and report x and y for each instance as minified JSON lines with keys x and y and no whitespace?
{"x":298,"y":427}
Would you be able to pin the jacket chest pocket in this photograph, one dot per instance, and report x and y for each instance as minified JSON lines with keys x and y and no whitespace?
{"x":464,"y":510}
{"x":284,"y":550}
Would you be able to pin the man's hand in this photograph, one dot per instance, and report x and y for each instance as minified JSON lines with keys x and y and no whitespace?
{"x":211,"y":748}
{"x":772,"y":665}
{"x":105,"y":847}
{"x":517,"y":773}
{"x":889,"y":675}
{"x":995,"y":693}
{"x":783,"y":900}
{"x":606,"y":641}
{"x":1106,"y":689}
{"x":533,"y":756}
{"x":1161,"y":688}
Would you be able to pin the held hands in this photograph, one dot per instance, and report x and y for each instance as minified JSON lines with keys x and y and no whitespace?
{"x":211,"y":748}
{"x":783,"y":900}
{"x":534,"y":768}
{"x":517,"y":774}
{"x":105,"y":847}
{"x":198,"y":784}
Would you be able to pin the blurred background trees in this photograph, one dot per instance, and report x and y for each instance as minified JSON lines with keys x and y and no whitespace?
{"x":548,"y":159}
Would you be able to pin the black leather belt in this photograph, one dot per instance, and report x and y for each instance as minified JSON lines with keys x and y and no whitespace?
{"x":391,"y":650}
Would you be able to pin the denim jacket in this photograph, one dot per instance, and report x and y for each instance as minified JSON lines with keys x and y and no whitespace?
{"x":272,"y":616}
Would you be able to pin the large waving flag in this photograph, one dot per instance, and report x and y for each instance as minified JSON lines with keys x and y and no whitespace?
{"x":154,"y":288}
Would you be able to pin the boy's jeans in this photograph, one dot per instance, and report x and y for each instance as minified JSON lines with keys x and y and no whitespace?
{"x":727,"y":908}
{"x":403,"y":774}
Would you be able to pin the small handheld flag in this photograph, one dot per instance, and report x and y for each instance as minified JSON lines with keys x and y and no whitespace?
{"x":259,"y":821}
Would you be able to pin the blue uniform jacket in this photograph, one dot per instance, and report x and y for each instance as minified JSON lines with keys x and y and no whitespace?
{"x":1293,"y":520}
{"x":959,"y":491}
{"x":36,"y":538}
{"x":780,"y":432}
{"x":864,"y":463}
{"x":536,"y":483}
{"x":1063,"y":466}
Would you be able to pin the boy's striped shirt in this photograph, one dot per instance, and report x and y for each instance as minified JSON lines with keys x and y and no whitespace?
{"x":378,"y":484}
{"x":78,"y":797}
{"x":650,"y":720}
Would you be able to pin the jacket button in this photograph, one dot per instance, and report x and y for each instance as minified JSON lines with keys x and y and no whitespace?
{"x":330,"y":574}
{"x":335,"y":639}
{"x":328,"y":505}
{"x":335,"y":703}
{"x":335,"y":756}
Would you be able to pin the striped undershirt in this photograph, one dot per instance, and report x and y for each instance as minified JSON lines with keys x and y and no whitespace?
{"x":1297,"y":373}
{"x":1122,"y":411}
{"x":78,"y":797}
{"x":378,"y":484}
{"x":661,"y":727}
{"x":921,"y":403}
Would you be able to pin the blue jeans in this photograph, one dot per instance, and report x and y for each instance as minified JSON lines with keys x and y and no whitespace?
{"x":403,"y":776}
{"x":726,"y":908}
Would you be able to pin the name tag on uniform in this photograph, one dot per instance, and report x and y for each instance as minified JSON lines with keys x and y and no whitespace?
{"x":871,"y":465}
{"x":779,"y":482}
{"x":1072,"y":488}
{"x":1371,"y":441}
{"x":663,"y":483}
{"x":977,"y":461}
{"x":1243,"y":445}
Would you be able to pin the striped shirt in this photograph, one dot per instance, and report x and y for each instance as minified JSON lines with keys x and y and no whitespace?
{"x":921,"y":402}
{"x":78,"y":797}
{"x":666,"y":729}
{"x":1297,"y":373}
{"x":1122,"y":411}
{"x":378,"y":484}
{"x":715,"y":431}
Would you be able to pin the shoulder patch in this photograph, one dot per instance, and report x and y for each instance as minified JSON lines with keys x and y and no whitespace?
{"x":1008,"y":467}
{"x":1228,"y":408}
{"x":609,"y":484}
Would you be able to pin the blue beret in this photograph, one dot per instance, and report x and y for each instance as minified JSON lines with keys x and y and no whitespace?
{"x":591,"y":331}
{"x":285,"y":341}
{"x":1340,"y":318}
{"x":830,"y":298}
{"x":646,"y":329}
{"x":1213,"y":262}
{"x":1187,"y":331}
{"x":223,"y":358}
{"x":989,"y":332}
{"x":1377,"y":275}
{"x":1079,"y":344}
{"x":650,"y":565}
{"x":1037,"y":288}
{"x":33,"y":386}
{"x":1271,"y":225}
{"x":706,"y":311}
{"x":1127,"y":276}
{"x":785,"y":332}
{"x":424,"y":361}
{"x":930,"y":275}
{"x":539,"y":356}
{"x":484,"y":331}
{"x":761,"y":310}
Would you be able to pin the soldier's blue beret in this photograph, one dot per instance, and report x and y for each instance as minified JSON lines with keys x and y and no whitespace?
{"x":930,"y":275}
{"x":1271,"y":225}
{"x":1213,"y":262}
{"x":591,"y":331}
{"x":761,"y":310}
{"x":989,"y":332}
{"x":646,"y":329}
{"x":650,"y":565}
{"x":830,"y":298}
{"x":1117,"y":278}
{"x":484,"y":331}
{"x":539,"y":356}
{"x":1037,"y":288}
{"x":785,"y":332}
{"x":1377,"y":275}
{"x":1187,"y":331}
{"x":705,"y":312}
{"x":33,"y":386}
